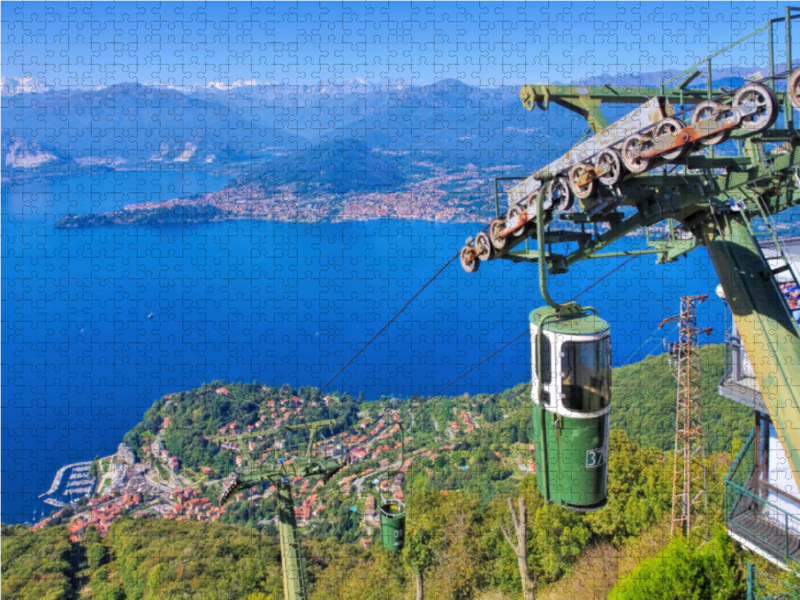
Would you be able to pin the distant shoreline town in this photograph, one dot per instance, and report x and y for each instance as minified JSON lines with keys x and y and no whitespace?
{"x":462,"y":197}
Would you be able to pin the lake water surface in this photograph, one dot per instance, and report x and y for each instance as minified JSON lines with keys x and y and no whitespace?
{"x":273,"y":302}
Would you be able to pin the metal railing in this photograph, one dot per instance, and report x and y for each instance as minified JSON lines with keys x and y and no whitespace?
{"x":765,"y":525}
{"x":763,"y":586}
{"x":742,"y":467}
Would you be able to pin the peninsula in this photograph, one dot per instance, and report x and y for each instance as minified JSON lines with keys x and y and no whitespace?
{"x":465,"y":196}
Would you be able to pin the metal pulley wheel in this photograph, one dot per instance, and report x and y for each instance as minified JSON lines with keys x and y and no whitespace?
{"x":609,"y":161}
{"x":704,"y":110}
{"x":469,"y":259}
{"x":483,"y":246}
{"x":511,"y":219}
{"x":559,"y":196}
{"x":631,"y":149}
{"x":670,"y":126}
{"x":766,"y":106}
{"x":794,"y":89}
{"x":228,"y":486}
{"x":496,"y":229}
{"x":585,"y":191}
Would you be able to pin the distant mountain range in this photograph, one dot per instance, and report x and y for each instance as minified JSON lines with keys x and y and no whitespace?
{"x":290,"y":132}
{"x":337,"y":166}
{"x":137,"y":126}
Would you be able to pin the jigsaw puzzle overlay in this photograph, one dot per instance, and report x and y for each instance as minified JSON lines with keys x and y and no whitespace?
{"x":271,"y":267}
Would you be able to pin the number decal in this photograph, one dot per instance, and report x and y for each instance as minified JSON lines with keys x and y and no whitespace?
{"x":595,"y":458}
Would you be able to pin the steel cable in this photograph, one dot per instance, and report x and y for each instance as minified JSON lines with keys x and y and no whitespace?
{"x":389,"y":322}
{"x":619,"y":266}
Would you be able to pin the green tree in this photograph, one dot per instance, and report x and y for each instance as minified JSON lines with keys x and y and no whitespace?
{"x":560,"y":536}
{"x":94,"y":469}
{"x":520,"y":546}
{"x":90,"y":535}
{"x":422,"y":538}
{"x":95,"y":555}
{"x":37,"y":564}
{"x":685,"y":572}
{"x":103,"y":587}
{"x":644,"y":403}
{"x":639,"y":489}
{"x":458,"y":548}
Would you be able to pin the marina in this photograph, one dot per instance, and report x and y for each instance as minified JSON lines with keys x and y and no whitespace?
{"x":70,"y":483}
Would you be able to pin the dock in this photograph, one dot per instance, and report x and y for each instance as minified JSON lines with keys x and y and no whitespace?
{"x":77,"y":481}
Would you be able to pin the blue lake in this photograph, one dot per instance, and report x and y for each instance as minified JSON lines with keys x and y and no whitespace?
{"x":273,"y":302}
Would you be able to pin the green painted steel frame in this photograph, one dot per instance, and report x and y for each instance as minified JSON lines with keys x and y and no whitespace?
{"x":586,"y":100}
{"x":295,"y":581}
{"x":676,"y":196}
{"x":715,"y":206}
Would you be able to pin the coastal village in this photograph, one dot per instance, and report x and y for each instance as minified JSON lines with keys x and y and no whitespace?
{"x":160,"y":487}
{"x":458,"y":196}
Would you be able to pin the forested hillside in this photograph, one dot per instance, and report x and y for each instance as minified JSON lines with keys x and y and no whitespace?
{"x":644,"y":403}
{"x":456,"y":509}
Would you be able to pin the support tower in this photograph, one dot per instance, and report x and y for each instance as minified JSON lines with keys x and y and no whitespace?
{"x":689,"y":498}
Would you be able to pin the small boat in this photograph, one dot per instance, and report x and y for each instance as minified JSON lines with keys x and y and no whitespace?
{"x":150,"y":316}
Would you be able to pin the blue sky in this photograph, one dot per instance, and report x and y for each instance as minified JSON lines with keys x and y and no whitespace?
{"x":95,"y":44}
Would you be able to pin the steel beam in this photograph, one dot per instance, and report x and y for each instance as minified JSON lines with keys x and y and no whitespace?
{"x":295,"y":585}
{"x":578,"y":94}
{"x":763,"y":319}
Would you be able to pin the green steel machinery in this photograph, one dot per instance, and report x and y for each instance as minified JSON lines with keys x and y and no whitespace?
{"x":280,"y":472}
{"x":705,"y":172}
{"x":281,"y":466}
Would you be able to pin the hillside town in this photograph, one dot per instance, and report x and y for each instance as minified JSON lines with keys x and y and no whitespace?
{"x":160,"y":486}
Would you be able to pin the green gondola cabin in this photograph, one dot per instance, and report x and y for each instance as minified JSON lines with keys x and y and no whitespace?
{"x":571,"y":392}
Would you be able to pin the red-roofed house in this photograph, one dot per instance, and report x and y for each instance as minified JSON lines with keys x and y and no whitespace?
{"x":77,"y":527}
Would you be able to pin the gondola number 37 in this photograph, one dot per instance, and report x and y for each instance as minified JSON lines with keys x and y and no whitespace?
{"x":595,"y":458}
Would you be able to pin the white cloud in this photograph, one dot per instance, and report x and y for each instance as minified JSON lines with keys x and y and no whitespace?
{"x":18,"y":157}
{"x":12,"y":86}
{"x":236,"y":84}
{"x":186,"y":153}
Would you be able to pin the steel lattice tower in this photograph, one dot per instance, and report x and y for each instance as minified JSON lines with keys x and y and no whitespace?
{"x":689,"y":498}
